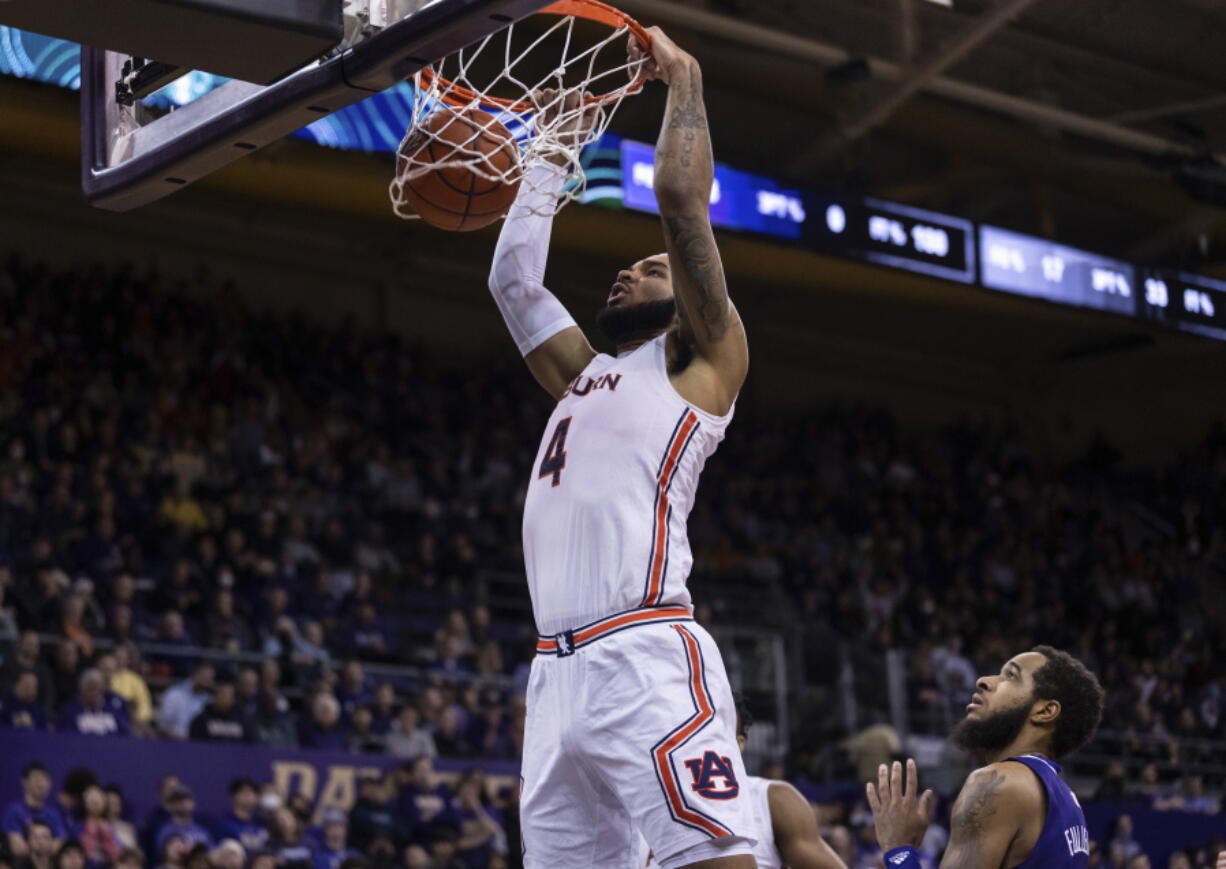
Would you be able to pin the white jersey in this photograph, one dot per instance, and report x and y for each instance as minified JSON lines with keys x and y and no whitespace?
{"x":613,"y":484}
{"x":764,"y":851}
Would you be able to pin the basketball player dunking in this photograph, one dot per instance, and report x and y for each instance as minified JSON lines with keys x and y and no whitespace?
{"x":631,"y":724}
{"x":1016,"y":811}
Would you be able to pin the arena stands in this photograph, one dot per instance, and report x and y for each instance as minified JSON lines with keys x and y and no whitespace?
{"x":230,"y":527}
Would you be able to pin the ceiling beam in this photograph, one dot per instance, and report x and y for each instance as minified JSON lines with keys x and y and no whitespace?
{"x":853,"y":129}
{"x":1184,"y":107}
{"x":776,"y":42}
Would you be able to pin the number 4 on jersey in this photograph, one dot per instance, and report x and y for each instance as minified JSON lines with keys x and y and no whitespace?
{"x":555,"y":453}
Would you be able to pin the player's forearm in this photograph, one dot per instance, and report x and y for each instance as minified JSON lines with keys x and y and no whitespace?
{"x":685,"y":168}
{"x":531,"y":312}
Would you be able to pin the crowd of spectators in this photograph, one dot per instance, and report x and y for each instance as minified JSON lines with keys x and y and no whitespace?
{"x":405,"y":819}
{"x":329,"y":509}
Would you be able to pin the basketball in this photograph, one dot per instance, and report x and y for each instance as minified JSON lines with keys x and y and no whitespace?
{"x":457,"y":197}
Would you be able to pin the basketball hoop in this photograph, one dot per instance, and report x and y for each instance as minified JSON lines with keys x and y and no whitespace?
{"x":516,"y":70}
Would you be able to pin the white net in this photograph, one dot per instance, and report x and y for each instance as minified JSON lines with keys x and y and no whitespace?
{"x":511,"y":84}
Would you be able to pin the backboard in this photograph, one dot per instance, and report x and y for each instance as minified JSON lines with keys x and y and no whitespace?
{"x":130,"y":158}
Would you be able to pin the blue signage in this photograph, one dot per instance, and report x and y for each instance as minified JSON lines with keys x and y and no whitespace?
{"x":739,"y":200}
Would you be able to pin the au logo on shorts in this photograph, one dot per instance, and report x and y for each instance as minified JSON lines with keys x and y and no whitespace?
{"x":714,"y":777}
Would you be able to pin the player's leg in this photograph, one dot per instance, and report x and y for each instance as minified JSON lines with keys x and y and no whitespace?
{"x":660,"y":731}
{"x":567,"y":816}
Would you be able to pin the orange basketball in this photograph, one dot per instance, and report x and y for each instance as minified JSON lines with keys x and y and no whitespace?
{"x":457,"y":197}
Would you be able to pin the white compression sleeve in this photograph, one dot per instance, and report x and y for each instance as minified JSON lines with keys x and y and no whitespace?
{"x":532,"y":313}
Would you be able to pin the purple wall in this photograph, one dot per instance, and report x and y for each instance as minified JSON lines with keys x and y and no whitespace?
{"x":137,"y":765}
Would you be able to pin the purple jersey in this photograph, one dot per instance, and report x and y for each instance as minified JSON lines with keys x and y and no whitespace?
{"x":1064,"y":841}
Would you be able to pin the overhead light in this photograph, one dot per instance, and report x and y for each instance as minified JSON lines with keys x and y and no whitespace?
{"x":949,"y":3}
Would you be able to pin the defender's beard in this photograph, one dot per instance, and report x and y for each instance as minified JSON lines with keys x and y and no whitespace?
{"x":627,"y":323}
{"x":989,"y":735}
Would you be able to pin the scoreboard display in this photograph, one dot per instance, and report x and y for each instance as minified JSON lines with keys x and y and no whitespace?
{"x":894,"y":235}
{"x":899,"y":236}
{"x":1027,"y":266}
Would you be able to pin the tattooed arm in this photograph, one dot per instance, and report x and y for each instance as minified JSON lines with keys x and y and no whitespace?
{"x":985,"y":819}
{"x":994,"y":823}
{"x":710,"y":328}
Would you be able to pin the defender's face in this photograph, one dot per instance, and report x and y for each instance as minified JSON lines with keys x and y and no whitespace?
{"x":1013,"y":686}
{"x":648,"y":280}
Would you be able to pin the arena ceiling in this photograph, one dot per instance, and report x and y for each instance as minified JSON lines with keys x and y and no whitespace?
{"x":1093,"y":121}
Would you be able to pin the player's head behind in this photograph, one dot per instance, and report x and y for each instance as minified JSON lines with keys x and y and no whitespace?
{"x":744,"y":720}
{"x":640,"y":304}
{"x":1045,"y":693}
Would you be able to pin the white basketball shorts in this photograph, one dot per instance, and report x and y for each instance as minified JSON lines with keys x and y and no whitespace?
{"x":631,"y":729}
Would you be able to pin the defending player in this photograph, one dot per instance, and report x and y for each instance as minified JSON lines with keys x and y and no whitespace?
{"x":1016,"y":811}
{"x":786,"y":826}
{"x":631,"y":725}
{"x":783,"y":821}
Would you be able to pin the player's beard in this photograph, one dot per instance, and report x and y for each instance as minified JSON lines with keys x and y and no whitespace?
{"x":622,"y":324}
{"x":987,"y":736}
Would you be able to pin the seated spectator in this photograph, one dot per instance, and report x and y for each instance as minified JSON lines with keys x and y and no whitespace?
{"x":1114,"y":785}
{"x":451,"y":661}
{"x":160,"y":814}
{"x":444,"y":849}
{"x":408,"y":738}
{"x":450,"y":736}
{"x":324,"y":728}
{"x":492,"y":733}
{"x":368,"y":639}
{"x":32,"y":808}
{"x":374,"y":822}
{"x":174,"y":851}
{"x":247,"y":694}
{"x":1122,"y":841}
{"x":488,"y":661}
{"x":310,"y":648}
{"x":243,"y":823}
{"x":229,"y":854}
{"x":224,"y":628}
{"x":39,"y":848}
{"x":130,"y":858}
{"x":181,"y":510}
{"x":28,"y":656}
{"x":65,"y":673}
{"x":334,"y":849}
{"x":173,"y":632}
{"x":1189,"y":797}
{"x":70,"y":856}
{"x":96,"y":711}
{"x":95,"y":832}
{"x":121,"y":668}
{"x":20,"y":707}
{"x":423,"y":799}
{"x":182,"y":702}
{"x":362,"y":738}
{"x":76,"y":782}
{"x":480,"y":830}
{"x":353,"y":690}
{"x":124,"y":829}
{"x":383,"y":709}
{"x":182,"y":823}
{"x":288,"y":842}
{"x":220,"y":721}
{"x":72,"y":625}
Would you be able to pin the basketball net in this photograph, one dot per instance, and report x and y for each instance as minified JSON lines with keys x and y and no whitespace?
{"x":542,"y":131}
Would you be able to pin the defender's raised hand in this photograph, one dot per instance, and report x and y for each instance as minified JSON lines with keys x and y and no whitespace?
{"x":901,"y":815}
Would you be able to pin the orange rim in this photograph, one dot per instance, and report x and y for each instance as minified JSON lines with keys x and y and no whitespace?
{"x":592,"y":10}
